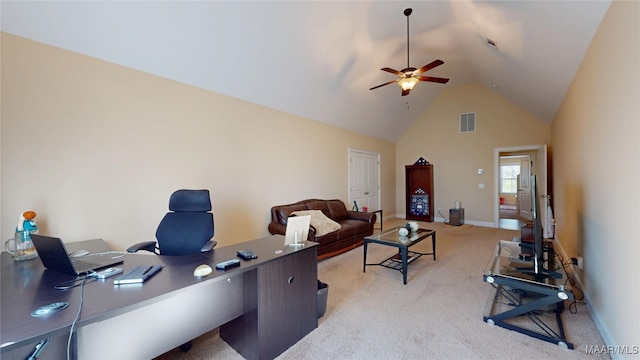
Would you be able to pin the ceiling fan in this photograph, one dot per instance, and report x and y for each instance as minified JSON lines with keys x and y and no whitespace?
{"x":409,"y":77}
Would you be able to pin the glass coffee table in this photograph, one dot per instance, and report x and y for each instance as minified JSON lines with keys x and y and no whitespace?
{"x":404,"y":257}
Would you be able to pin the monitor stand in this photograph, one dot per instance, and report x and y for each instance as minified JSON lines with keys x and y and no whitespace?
{"x":525,"y":301}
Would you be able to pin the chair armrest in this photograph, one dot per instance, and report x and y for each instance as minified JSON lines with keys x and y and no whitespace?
{"x":312,"y":233}
{"x":277,"y":228}
{"x":145,"y":245}
{"x":362,"y":216}
{"x":208,"y":246}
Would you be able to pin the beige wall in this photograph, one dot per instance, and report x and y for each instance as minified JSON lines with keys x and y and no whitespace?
{"x":596,"y":137}
{"x":457,"y":156}
{"x":96,"y":149}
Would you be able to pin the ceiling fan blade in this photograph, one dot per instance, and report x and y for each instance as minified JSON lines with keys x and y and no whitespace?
{"x":430,"y":66}
{"x":381,"y":85}
{"x":406,"y":92}
{"x":433,"y":79}
{"x":392,"y":71}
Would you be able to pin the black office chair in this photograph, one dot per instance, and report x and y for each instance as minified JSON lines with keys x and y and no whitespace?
{"x":187,"y":229}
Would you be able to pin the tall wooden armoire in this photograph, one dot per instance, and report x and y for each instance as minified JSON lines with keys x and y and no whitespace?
{"x":419,"y":192}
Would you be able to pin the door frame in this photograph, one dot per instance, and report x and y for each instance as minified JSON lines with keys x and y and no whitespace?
{"x":539,"y":165}
{"x":349,"y":175}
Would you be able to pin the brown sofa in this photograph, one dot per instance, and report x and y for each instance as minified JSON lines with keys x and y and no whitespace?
{"x":354,"y":226}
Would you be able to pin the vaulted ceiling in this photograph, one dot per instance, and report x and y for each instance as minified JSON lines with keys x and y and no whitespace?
{"x":318,"y":59}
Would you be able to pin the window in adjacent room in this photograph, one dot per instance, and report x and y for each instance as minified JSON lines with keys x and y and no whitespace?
{"x":509,"y":178}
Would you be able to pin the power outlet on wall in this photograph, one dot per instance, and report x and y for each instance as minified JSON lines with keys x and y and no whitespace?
{"x":578,"y":261}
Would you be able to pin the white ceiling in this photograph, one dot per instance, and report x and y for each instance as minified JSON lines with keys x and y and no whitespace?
{"x":318,"y":59}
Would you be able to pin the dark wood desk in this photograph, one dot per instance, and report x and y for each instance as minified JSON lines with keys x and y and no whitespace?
{"x":143,"y":321}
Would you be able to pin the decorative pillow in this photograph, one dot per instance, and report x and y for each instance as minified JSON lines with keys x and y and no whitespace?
{"x":319,"y":221}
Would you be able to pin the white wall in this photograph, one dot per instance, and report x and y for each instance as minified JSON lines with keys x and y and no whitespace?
{"x":596,"y":174}
{"x":96,"y":149}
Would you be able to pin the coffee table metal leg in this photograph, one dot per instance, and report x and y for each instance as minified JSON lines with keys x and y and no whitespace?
{"x":433,"y":242}
{"x":364,"y":261}
{"x":403,"y":250}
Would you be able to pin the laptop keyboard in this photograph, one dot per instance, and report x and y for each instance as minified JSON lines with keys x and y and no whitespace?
{"x":82,"y":266}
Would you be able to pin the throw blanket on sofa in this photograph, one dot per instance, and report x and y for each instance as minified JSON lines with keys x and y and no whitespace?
{"x":319,"y":221}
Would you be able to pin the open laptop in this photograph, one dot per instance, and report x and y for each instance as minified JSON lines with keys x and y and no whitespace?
{"x":297,"y":230}
{"x":54,"y":257}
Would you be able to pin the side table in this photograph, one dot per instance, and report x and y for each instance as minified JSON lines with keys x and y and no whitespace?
{"x":378,"y":211}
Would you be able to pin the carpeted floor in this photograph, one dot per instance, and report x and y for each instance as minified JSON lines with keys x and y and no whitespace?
{"x":437,"y":315}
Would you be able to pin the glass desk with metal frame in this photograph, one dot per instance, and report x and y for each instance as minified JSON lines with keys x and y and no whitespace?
{"x":524,"y":301}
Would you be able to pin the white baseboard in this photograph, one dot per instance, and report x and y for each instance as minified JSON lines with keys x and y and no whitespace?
{"x":440,"y":219}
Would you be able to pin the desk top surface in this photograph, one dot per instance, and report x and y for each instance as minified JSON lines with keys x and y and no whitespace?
{"x":26,"y":285}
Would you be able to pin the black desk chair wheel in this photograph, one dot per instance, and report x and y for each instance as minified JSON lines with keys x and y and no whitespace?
{"x":186,"y":229}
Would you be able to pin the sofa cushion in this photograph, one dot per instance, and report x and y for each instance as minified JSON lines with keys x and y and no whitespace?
{"x":347,"y":230}
{"x":318,"y":205}
{"x":359,"y":226}
{"x":285,"y":211}
{"x":337,"y":209}
{"x":319,"y":221}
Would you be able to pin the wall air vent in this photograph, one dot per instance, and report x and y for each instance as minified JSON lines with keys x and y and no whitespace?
{"x":468,"y":122}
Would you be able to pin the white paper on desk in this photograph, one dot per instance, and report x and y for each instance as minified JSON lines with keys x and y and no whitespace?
{"x":297,"y":229}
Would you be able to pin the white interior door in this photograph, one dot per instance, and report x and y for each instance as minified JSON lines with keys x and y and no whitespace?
{"x":364,"y":179}
{"x":524,"y":189}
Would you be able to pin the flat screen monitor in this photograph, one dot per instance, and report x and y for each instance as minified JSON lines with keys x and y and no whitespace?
{"x":538,"y":252}
{"x":531,"y":249}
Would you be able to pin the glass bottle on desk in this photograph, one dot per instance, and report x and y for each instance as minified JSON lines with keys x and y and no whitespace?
{"x":23,"y":248}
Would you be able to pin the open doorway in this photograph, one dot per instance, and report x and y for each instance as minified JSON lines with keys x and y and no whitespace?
{"x":514,"y":191}
{"x":517,"y":192}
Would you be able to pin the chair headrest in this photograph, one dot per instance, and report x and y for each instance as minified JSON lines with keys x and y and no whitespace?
{"x":190,"y":200}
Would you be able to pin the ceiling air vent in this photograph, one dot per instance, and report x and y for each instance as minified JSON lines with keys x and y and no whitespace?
{"x":468,"y":122}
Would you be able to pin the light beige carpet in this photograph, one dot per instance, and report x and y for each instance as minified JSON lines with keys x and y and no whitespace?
{"x":437,"y":315}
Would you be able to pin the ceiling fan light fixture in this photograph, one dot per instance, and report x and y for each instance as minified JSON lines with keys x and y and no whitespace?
{"x":407,"y":83}
{"x":410,"y":76}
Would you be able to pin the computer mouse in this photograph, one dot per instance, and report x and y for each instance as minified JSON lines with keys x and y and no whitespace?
{"x":202,"y":270}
